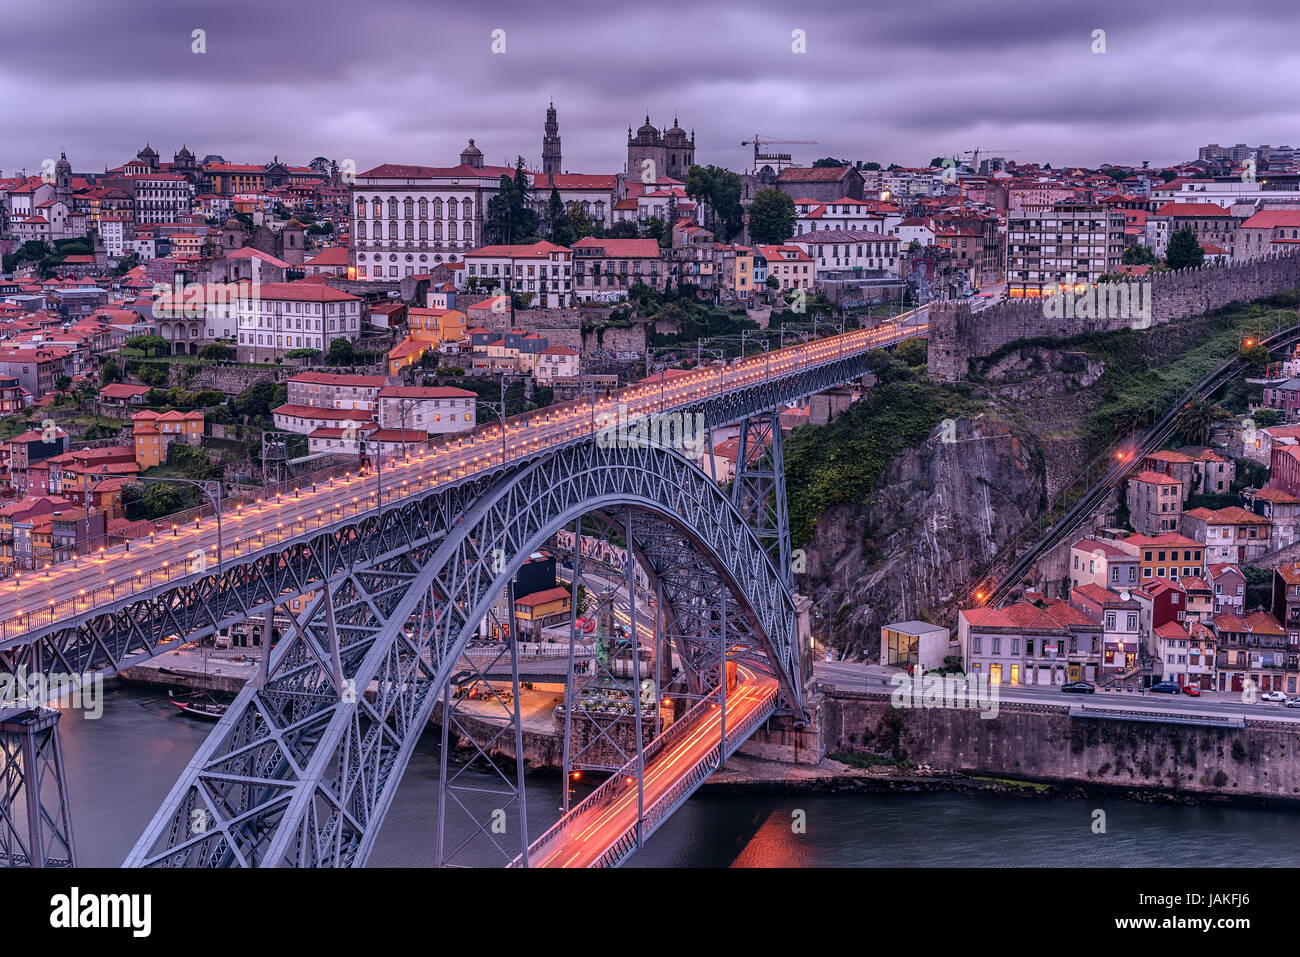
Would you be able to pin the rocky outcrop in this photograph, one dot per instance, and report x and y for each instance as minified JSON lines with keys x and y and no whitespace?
{"x":939,"y":512}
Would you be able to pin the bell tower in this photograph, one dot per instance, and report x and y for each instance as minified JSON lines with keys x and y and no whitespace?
{"x":551,"y":143}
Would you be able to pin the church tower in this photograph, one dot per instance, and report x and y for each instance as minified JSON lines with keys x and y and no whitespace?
{"x":551,"y":143}
{"x":63,"y":181}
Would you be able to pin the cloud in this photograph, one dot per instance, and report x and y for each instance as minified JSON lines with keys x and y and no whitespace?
{"x":408,"y":81}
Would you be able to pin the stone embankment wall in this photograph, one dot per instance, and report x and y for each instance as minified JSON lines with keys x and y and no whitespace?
{"x":1042,"y":742}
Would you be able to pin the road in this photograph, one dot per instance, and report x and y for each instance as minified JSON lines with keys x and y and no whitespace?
{"x":853,"y":676}
{"x":589,"y":831}
{"x":41,"y":598}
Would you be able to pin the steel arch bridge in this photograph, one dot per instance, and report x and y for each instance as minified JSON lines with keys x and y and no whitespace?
{"x":302,"y":769}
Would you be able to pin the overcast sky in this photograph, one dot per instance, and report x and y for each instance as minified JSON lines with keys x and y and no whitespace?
{"x":409,"y":81}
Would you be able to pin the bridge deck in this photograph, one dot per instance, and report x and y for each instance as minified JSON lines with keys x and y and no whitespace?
{"x":40,"y":600}
{"x":601,"y":830}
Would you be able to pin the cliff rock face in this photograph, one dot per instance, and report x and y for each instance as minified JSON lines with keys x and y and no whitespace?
{"x":939,"y":513}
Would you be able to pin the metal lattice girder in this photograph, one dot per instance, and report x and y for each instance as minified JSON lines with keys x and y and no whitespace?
{"x":300,"y":772}
{"x":35,"y":824}
{"x":758,"y":488}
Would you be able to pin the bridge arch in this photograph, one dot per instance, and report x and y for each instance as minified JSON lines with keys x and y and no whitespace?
{"x":300,"y":773}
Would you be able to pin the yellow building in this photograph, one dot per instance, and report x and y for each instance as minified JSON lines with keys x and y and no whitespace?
{"x":155,"y":431}
{"x":435,"y":325}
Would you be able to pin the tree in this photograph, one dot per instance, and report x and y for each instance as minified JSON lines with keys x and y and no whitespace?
{"x":911,"y":351}
{"x":1256,"y":353}
{"x":721,"y":189}
{"x":937,"y":161}
{"x":1139,"y":255}
{"x":260,"y":398}
{"x":217,"y":352}
{"x":1184,"y":251}
{"x":62,"y":383}
{"x":1266,"y":418}
{"x":499,"y":225}
{"x":1194,"y":422}
{"x":831,"y":161}
{"x":871,"y":165}
{"x":623,"y":229}
{"x":341,"y":353}
{"x":150,"y":345}
{"x":578,"y":225}
{"x":558,"y":222}
{"x":110,"y":372}
{"x":771,"y":217}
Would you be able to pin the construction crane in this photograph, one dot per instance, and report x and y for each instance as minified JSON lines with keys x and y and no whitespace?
{"x":780,"y":159}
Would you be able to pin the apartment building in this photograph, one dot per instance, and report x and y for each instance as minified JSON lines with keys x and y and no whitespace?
{"x":327,"y":390}
{"x":1170,"y":556}
{"x":1155,"y":502}
{"x":605,"y":269}
{"x":434,"y":410}
{"x":1101,"y":563}
{"x":295,"y":315}
{"x":542,"y":270}
{"x":1072,"y":243}
{"x":1231,"y":535}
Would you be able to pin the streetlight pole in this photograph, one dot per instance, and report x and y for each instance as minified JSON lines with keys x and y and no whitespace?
{"x":204,"y":486}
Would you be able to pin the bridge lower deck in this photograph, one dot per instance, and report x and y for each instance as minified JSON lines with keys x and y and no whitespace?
{"x":601,"y":831}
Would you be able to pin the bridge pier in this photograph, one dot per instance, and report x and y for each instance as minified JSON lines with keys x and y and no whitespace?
{"x":35,"y":823}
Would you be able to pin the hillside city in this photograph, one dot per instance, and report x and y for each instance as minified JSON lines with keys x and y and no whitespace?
{"x":173,"y":327}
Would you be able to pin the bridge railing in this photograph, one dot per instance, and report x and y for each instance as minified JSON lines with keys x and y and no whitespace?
{"x":200,"y":522}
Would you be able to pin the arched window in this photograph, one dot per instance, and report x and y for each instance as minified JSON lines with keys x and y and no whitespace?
{"x":468,"y":232}
{"x":408,"y":208}
{"x":467,"y":209}
{"x":424,"y":208}
{"x":424,"y":230}
{"x":451,"y":208}
{"x":437,"y":209}
{"x":392,"y":207}
{"x":361,"y":229}
{"x":378,"y":207}
{"x":410,"y":229}
{"x":361,"y":207}
{"x":437,"y":230}
{"x":392,"y":229}
{"x":451,"y":229}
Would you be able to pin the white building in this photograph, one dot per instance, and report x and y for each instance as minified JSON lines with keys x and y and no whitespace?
{"x":161,"y":197}
{"x":543,"y":269}
{"x":844,"y":213}
{"x":295,"y":315}
{"x":408,"y":219}
{"x":834,"y":249}
{"x":435,"y":410}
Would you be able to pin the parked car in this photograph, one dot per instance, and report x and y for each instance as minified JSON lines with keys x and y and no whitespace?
{"x":1193,"y":690}
{"x":1273,"y":696}
{"x":1293,"y":702}
{"x":1078,"y":687}
{"x":1165,"y":687}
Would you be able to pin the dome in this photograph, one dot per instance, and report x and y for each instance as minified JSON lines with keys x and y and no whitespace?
{"x":471,"y":150}
{"x":147,"y":151}
{"x":185,"y":153}
{"x":647,"y":128}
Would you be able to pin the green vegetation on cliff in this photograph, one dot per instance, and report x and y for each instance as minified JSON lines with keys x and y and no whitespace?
{"x":840,"y":463}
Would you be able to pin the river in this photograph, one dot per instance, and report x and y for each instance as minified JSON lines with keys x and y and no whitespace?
{"x":121,"y":766}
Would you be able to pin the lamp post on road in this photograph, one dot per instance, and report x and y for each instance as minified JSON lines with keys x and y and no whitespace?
{"x":211,"y":489}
